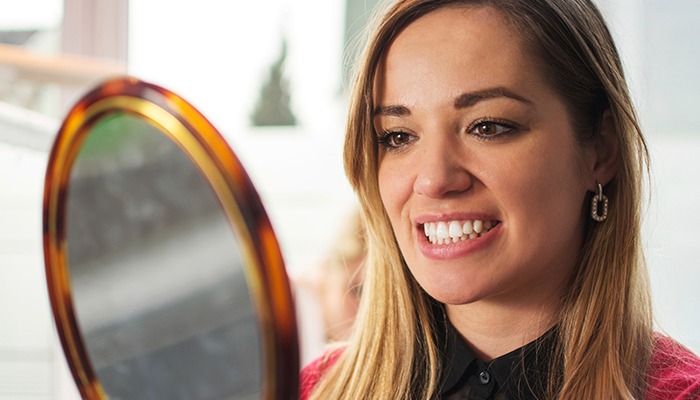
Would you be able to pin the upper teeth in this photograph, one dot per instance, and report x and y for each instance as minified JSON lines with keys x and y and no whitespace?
{"x":445,"y":232}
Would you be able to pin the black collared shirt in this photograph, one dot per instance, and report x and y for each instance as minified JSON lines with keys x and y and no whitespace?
{"x":519,"y":375}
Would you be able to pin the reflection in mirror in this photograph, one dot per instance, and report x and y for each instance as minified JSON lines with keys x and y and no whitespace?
{"x":157,"y":280}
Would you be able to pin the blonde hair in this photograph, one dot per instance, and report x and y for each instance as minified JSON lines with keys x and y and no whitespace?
{"x":605,"y":334}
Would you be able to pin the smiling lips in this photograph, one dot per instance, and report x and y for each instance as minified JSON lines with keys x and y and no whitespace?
{"x":441,"y":233}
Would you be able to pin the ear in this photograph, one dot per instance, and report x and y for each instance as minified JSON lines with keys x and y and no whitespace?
{"x":605,"y":148}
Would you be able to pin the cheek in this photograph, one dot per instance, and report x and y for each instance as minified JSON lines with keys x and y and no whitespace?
{"x":395,"y":189}
{"x":548,"y":187}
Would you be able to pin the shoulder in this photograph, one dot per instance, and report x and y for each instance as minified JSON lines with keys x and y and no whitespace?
{"x":674,"y":371}
{"x":312,"y":373}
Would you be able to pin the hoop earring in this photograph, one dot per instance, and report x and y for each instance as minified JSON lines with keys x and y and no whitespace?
{"x":597,"y":199}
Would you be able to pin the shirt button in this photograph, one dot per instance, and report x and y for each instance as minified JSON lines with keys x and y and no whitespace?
{"x":485,"y":377}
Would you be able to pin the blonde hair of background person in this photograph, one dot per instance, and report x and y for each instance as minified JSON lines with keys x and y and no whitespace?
{"x":337,"y":281}
{"x":605,"y":339}
{"x":341,"y":282}
{"x":328,"y":293}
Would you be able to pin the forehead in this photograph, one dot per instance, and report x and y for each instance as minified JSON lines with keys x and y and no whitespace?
{"x":455,"y":49}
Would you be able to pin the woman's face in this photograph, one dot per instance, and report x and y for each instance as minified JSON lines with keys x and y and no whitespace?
{"x":479,"y":171}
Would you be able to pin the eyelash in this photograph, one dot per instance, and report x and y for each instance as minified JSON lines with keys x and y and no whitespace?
{"x":492,"y":122}
{"x":385,"y":137}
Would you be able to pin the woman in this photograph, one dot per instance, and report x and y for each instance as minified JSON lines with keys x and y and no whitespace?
{"x":327,"y":294}
{"x":498,"y":159}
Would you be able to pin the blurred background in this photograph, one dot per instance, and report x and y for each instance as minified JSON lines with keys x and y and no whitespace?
{"x":271,"y":75}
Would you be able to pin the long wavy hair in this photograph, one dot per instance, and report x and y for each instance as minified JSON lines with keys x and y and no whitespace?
{"x":605,"y":332}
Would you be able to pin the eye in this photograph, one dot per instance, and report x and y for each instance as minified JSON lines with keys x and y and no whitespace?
{"x":395,"y":139}
{"x":490,"y":128}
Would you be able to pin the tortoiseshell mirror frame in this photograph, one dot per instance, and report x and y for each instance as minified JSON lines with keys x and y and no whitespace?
{"x":202,"y":143}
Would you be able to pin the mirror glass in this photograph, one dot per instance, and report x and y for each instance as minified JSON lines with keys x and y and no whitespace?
{"x":155,"y":271}
{"x":165,"y":277}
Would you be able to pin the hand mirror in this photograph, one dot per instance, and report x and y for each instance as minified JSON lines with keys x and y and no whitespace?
{"x":165,"y":278}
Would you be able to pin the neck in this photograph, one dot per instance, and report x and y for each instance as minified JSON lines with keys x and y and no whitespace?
{"x":492,"y":328}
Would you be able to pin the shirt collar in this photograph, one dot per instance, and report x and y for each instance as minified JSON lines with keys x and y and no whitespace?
{"x":521,"y":374}
{"x":457,"y":358}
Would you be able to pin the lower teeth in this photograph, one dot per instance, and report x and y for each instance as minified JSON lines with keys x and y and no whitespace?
{"x":449,"y":240}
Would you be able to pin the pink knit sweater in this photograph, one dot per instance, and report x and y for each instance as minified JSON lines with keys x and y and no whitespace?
{"x":674,"y":372}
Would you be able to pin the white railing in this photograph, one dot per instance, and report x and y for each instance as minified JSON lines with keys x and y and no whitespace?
{"x":26,"y":75}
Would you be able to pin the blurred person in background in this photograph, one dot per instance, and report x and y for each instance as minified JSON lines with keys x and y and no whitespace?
{"x":327,"y":294}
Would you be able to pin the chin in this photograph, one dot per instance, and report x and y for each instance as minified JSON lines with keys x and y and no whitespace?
{"x":456,"y":300}
{"x":453,"y":296}
{"x":453,"y":287}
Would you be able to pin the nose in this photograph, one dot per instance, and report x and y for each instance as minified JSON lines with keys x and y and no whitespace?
{"x":442,"y":170}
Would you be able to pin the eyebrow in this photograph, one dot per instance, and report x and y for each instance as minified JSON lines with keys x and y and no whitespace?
{"x":391,"y":111}
{"x":469,"y":99}
{"x":464,"y":100}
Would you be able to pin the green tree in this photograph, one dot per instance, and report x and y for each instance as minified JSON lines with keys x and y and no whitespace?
{"x":272,"y":108}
